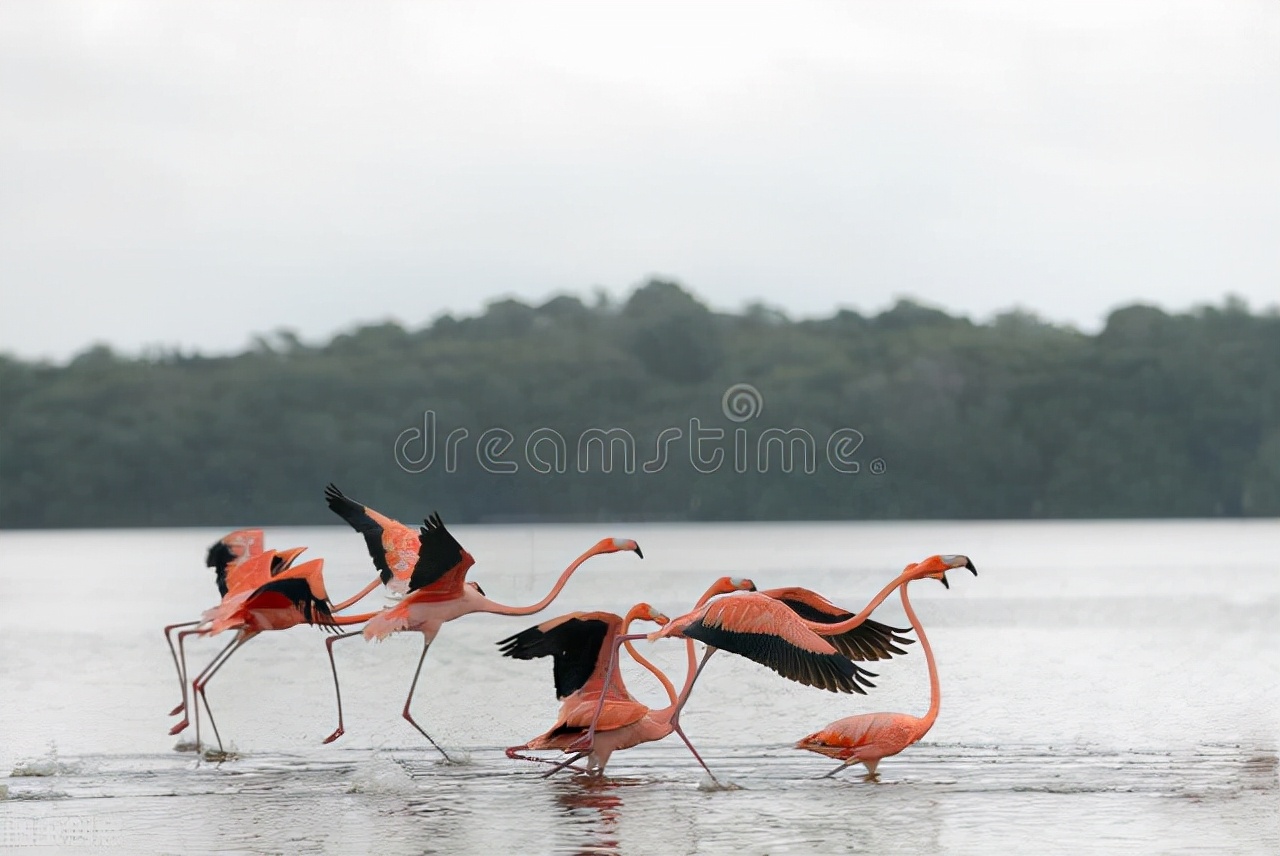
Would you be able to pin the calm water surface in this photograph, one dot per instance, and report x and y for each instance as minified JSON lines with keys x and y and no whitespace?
{"x":1107,"y":687}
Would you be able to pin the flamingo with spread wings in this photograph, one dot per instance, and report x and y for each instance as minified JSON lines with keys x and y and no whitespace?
{"x":870,"y":737}
{"x":587,"y":648}
{"x":439,"y":592}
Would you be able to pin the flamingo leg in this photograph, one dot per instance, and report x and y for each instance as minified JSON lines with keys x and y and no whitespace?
{"x":198,"y":685}
{"x":680,"y":731}
{"x":358,"y":596}
{"x":587,"y":741}
{"x":180,"y":660}
{"x":184,"y":709}
{"x":513,"y":752}
{"x":560,"y":765}
{"x":408,"y":717}
{"x":841,"y":767}
{"x":675,"y":716}
{"x":182,"y":676}
{"x":328,"y":644}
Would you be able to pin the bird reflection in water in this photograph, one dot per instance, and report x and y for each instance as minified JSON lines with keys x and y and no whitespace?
{"x":592,"y":806}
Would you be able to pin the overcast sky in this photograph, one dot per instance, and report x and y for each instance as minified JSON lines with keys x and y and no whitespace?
{"x":193,"y":173}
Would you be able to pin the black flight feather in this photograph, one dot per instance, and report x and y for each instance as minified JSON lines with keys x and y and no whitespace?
{"x":356,"y":515}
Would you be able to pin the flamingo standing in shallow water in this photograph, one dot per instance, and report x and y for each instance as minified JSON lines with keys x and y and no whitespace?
{"x":869,"y":737}
{"x":439,"y":592}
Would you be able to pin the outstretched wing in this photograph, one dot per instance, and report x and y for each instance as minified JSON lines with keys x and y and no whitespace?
{"x":870,"y":640}
{"x":764,"y":630}
{"x":574,"y":640}
{"x":379,"y":531}
{"x":442,"y":563}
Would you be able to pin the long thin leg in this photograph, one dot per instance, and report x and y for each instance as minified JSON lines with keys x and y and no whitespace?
{"x":513,"y":752}
{"x":841,"y":767}
{"x":560,"y":765}
{"x":186,"y":711}
{"x":181,"y":667}
{"x":675,"y":715}
{"x":328,"y":644}
{"x":409,"y":718}
{"x":200,"y":682}
{"x":587,"y":741}
{"x":679,"y":731}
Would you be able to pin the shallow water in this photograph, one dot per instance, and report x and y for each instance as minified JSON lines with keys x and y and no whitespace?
{"x":1107,"y":687}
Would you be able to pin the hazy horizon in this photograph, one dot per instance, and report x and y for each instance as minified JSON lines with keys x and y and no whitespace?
{"x":185,"y":175}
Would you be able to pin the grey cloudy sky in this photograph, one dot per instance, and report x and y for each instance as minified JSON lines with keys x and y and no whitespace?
{"x":192,"y":173}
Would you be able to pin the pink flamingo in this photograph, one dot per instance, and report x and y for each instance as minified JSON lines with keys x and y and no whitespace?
{"x":239,"y":578}
{"x":439,"y":592}
{"x":621,"y":722}
{"x":392,"y":545}
{"x":295,"y":595}
{"x":869,"y":737}
{"x":225,"y":553}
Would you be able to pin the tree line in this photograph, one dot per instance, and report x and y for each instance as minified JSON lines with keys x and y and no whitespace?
{"x":658,"y":408}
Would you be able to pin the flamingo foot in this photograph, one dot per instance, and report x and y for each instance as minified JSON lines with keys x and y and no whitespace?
{"x":181,"y":726}
{"x":334,"y":736}
{"x":179,"y":709}
{"x":871,"y":777}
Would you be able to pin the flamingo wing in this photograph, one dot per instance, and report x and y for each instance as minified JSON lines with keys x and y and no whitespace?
{"x":442,"y":563}
{"x":296,"y":591}
{"x":870,"y":640}
{"x":372,"y":525}
{"x":574,"y":641}
{"x":766,"y":631}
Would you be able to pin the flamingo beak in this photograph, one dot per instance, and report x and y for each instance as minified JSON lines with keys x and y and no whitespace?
{"x":943,"y":580}
{"x":969,"y":565}
{"x":641,"y":555}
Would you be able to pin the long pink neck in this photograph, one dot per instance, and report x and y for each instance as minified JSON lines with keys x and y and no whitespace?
{"x":850,"y":623}
{"x":935,"y":692}
{"x":643,"y":661}
{"x":358,"y":596}
{"x":503,"y":609}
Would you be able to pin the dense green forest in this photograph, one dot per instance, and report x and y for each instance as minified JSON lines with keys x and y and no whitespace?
{"x":912,"y":413}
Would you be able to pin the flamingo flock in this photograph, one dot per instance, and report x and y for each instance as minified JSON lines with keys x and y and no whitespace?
{"x":795,"y":632}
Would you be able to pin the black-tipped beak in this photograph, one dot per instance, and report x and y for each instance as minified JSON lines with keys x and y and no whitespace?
{"x":969,"y":565}
{"x":480,"y":590}
{"x":943,"y":580}
{"x":641,"y":555}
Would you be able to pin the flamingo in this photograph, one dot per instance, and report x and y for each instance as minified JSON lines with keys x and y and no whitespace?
{"x":869,"y":737}
{"x":783,"y":629}
{"x":244,"y":575}
{"x":392,"y":545}
{"x":224,"y":554}
{"x":295,"y":595}
{"x":438,"y":593}
{"x":581,"y":645}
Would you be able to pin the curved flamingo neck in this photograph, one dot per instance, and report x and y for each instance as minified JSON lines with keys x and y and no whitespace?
{"x":935,"y":692}
{"x":856,"y":621}
{"x":358,"y":596}
{"x":644,"y":661}
{"x":503,"y":609}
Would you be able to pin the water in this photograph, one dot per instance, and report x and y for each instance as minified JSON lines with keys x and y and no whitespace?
{"x":1107,"y":687}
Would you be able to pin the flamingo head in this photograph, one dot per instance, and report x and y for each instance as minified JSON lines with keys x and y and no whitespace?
{"x":476,"y":586}
{"x":725,"y":585}
{"x":936,"y":567}
{"x":645,"y":612}
{"x":617,"y":545}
